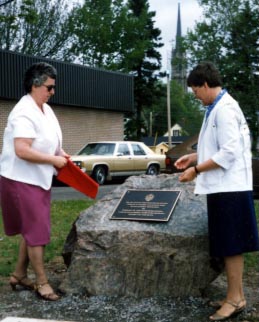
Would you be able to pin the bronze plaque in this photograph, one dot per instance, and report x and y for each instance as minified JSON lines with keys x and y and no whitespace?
{"x":147,"y":205}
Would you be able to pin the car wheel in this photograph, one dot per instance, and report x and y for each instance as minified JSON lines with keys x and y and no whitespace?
{"x":153,"y":170}
{"x":99,"y":174}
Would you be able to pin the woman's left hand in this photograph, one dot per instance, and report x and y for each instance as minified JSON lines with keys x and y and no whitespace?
{"x":188,"y":175}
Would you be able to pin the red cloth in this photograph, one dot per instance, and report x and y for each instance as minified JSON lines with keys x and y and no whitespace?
{"x":77,"y":179}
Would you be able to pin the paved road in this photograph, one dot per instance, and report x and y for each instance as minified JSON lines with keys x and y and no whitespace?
{"x":67,"y":193}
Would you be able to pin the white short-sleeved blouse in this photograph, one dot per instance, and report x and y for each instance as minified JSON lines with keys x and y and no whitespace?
{"x":26,"y":120}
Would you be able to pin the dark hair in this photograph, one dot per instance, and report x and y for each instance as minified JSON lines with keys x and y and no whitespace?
{"x":37,"y":74}
{"x":203,"y":73}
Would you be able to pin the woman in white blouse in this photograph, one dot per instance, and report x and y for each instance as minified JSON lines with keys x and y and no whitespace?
{"x":32,"y":149}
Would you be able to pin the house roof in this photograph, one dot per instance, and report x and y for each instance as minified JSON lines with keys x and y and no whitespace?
{"x":151,"y":141}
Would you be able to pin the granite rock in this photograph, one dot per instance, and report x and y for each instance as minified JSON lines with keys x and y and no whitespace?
{"x":140,"y":258}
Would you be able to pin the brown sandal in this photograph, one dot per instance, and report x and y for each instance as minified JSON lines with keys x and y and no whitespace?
{"x":48,"y":296}
{"x":216,"y":304}
{"x":23,"y":281}
{"x":237,"y":309}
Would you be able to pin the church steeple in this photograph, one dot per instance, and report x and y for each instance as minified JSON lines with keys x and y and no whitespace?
{"x":178,"y":55}
{"x":179,"y":27}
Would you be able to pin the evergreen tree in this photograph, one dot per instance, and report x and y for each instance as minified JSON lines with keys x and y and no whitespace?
{"x":144,"y":61}
{"x":121,"y":36}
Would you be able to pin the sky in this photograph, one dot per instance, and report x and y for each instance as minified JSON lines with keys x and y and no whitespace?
{"x":166,"y":21}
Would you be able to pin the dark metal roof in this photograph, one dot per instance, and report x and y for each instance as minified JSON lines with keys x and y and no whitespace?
{"x":77,"y":85}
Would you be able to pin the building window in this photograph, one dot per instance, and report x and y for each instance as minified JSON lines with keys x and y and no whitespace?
{"x":176,"y":133}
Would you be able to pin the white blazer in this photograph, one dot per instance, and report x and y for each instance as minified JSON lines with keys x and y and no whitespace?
{"x":225,"y":138}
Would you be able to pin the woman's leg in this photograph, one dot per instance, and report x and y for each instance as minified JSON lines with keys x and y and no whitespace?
{"x":234,"y":266}
{"x":23,"y":260}
{"x":36,"y":256}
{"x":19,"y":276}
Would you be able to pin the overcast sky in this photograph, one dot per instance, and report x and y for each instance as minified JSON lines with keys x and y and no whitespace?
{"x":166,"y":21}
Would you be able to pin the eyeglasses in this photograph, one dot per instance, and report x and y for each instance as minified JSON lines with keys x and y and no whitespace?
{"x":50,"y":87}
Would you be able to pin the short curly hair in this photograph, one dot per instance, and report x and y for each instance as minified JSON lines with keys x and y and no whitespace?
{"x":37,"y":74}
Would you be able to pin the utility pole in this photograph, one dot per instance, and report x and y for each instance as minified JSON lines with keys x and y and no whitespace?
{"x":150,"y":124}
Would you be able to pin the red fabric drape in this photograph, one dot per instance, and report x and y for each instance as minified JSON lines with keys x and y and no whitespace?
{"x":77,"y":179}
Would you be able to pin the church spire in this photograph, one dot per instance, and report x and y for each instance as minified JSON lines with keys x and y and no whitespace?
{"x":179,"y":26}
{"x":178,"y":56}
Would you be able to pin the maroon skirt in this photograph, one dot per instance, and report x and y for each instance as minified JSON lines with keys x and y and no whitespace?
{"x":26,"y":211}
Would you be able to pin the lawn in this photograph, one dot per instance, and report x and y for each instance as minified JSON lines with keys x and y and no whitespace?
{"x":63,"y":214}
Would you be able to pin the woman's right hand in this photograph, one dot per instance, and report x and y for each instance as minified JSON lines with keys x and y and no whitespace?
{"x":184,"y":161}
{"x":24,"y":150}
{"x":59,"y":161}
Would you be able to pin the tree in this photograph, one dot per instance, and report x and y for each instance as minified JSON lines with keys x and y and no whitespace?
{"x":185,"y":110}
{"x":229,"y":37}
{"x":144,"y":61}
{"x":158,"y":112}
{"x":112,"y":34}
{"x":4,"y":2}
{"x":99,"y":27}
{"x":37,"y":28}
{"x":125,"y":41}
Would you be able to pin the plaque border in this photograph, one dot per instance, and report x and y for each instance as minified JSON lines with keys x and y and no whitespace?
{"x":147,"y":219}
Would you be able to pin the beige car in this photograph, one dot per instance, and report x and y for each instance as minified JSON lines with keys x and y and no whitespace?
{"x":108,"y":159}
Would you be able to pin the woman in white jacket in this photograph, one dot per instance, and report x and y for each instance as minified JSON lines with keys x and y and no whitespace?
{"x":223,"y":172}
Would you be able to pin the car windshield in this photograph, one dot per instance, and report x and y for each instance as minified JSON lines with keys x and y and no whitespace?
{"x":98,"y":149}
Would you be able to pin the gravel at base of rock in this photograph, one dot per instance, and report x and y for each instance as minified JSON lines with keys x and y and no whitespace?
{"x":125,"y":309}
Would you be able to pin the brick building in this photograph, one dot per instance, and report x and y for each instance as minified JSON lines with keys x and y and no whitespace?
{"x":90,"y":103}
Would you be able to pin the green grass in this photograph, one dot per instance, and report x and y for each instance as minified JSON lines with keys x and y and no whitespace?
{"x":63,"y":214}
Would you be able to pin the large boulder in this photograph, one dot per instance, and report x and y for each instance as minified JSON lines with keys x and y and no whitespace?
{"x":140,"y":258}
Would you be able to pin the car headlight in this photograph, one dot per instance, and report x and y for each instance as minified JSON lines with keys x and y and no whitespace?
{"x":81,"y":165}
{"x":78,"y":163}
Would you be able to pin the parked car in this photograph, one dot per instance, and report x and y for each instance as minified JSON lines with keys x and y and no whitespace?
{"x":190,"y":146}
{"x":106,"y":160}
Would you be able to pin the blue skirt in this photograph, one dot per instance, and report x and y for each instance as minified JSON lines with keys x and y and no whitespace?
{"x":232,"y":223}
